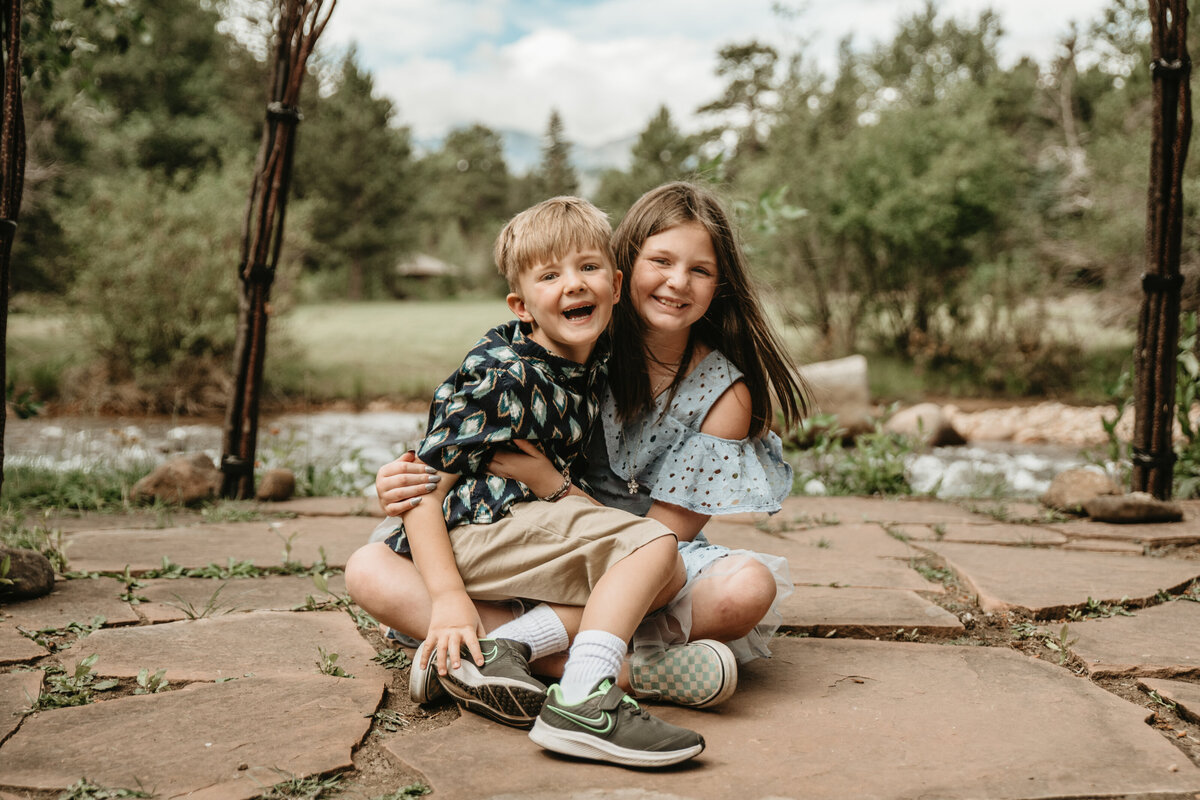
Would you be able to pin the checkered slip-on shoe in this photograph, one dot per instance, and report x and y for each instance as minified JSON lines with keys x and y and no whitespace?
{"x":698,"y":674}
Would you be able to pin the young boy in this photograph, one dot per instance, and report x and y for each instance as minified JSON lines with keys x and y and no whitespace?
{"x":489,"y":538}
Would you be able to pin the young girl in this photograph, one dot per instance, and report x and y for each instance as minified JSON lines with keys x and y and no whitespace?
{"x":686,"y":421}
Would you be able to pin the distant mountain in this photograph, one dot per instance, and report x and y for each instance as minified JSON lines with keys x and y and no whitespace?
{"x":523,"y":152}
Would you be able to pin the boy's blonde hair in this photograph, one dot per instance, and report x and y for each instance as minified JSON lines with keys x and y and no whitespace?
{"x":548,"y":231}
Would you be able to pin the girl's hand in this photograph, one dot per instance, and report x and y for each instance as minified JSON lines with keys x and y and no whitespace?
{"x":402,"y":483}
{"x":530,"y":466}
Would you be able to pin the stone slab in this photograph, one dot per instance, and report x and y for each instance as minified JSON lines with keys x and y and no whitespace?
{"x":232,"y":646}
{"x":1105,"y":546}
{"x":1155,"y":535}
{"x":814,"y":565}
{"x":863,"y":539}
{"x":168,"y":600}
{"x":1160,"y":641}
{"x":842,"y":718}
{"x":1185,"y":696}
{"x":16,"y":647}
{"x":997,"y":533}
{"x":822,"y":611}
{"x":261,"y":543}
{"x":225,"y":741}
{"x":75,"y":600}
{"x":18,"y":691}
{"x":325,"y":507}
{"x":877,"y":509}
{"x":1049,"y":582}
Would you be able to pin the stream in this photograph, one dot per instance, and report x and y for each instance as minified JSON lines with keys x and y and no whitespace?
{"x":356,"y":444}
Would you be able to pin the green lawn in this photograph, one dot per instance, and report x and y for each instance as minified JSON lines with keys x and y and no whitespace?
{"x":397,"y":350}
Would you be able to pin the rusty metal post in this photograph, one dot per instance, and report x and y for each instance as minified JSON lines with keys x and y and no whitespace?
{"x":300,"y":23}
{"x":1158,"y":324}
{"x":12,"y":170}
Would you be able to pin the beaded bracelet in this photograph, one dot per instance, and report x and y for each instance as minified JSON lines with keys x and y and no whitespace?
{"x":561,"y":491}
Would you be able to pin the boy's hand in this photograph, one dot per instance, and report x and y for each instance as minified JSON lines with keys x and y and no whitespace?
{"x":402,"y":483}
{"x":453,"y":622}
{"x":530,"y":466}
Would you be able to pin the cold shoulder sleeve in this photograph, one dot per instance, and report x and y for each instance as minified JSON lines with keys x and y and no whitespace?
{"x":709,"y":475}
{"x":674,"y":462}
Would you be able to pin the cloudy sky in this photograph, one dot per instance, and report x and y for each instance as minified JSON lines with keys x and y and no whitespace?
{"x":607,"y":65}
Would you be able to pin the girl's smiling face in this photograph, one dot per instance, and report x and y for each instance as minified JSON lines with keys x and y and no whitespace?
{"x":675,"y":277}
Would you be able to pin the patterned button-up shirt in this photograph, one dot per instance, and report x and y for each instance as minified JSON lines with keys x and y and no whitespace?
{"x":508,"y":387}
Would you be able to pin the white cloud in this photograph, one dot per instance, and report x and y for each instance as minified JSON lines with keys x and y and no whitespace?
{"x":607,"y":66}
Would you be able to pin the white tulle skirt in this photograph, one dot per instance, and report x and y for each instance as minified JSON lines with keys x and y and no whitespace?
{"x":705,"y":561}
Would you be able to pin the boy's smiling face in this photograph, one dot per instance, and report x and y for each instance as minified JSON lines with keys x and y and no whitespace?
{"x":568,"y":301}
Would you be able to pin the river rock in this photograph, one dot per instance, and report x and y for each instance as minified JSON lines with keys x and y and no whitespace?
{"x":927,"y":423}
{"x":183,"y":480}
{"x":30,"y":572}
{"x":1072,"y":488}
{"x":839,"y":388}
{"x":1132,"y":508}
{"x":276,"y":486}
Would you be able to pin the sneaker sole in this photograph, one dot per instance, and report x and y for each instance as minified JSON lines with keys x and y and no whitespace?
{"x":423,"y":685}
{"x":504,"y":700}
{"x":585,"y":745}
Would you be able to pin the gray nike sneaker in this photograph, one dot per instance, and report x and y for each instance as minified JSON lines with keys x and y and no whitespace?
{"x":609,"y":725}
{"x":502,"y":689}
{"x":423,"y":684}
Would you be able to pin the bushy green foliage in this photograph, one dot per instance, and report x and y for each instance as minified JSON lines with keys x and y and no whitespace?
{"x":873,"y":464}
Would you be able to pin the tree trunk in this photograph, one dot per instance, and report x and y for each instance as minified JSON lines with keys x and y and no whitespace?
{"x":12,"y":172}
{"x":1158,"y":324}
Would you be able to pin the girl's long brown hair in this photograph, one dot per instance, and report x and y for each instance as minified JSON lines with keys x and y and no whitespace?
{"x":734,"y":323}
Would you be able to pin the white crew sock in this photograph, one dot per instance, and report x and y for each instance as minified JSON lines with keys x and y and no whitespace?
{"x":540,"y":628}
{"x":595,"y":655}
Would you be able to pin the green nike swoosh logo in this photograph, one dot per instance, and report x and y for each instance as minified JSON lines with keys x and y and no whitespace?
{"x":488,"y":655}
{"x":600,"y":725}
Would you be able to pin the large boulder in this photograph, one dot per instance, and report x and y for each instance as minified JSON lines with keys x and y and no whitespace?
{"x":1071,"y":489}
{"x":839,"y":388}
{"x":29,"y":575}
{"x":183,"y":480}
{"x":927,"y":423}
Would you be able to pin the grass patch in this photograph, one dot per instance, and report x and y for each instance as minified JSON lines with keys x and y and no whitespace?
{"x":360,"y":351}
{"x":29,"y":488}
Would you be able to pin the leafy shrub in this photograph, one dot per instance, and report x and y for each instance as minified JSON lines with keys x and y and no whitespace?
{"x":872,"y":465}
{"x":158,"y":288}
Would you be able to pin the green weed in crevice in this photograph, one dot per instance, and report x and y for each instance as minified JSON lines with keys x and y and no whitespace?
{"x":327,"y":664}
{"x":389,"y":720}
{"x":210,"y":608}
{"x":406,"y":792}
{"x":148,"y":683}
{"x":83,"y":789}
{"x":312,"y":788}
{"x":62,"y":689}
{"x":1095,"y":609}
{"x":53,"y":639}
{"x":1061,"y":644}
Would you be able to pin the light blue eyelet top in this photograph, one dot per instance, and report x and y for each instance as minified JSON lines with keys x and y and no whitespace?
{"x":675,"y":463}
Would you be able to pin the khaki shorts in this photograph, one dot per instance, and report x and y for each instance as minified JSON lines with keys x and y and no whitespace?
{"x":552,"y":552}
